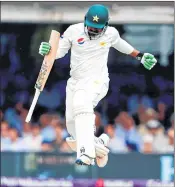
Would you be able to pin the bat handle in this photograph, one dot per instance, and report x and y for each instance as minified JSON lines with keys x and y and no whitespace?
{"x":32,"y":107}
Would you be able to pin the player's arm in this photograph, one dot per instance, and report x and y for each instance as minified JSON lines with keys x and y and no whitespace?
{"x":148,"y":60}
{"x":63,"y":48}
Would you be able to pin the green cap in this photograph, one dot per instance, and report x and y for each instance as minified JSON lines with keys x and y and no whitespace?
{"x":97,"y":16}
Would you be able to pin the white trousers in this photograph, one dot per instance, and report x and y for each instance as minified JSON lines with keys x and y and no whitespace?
{"x":94,"y":89}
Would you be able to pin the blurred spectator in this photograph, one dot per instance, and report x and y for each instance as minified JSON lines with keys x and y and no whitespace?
{"x":64,"y":147}
{"x":59,"y":137}
{"x":13,"y":118}
{"x":33,"y":141}
{"x":16,"y":143}
{"x":4,"y":129}
{"x":169,"y":117}
{"x":116,"y":145}
{"x":161,"y":111}
{"x":5,"y":140}
{"x":156,"y":132}
{"x":170,"y":147}
{"x":23,"y":115}
{"x":47,"y":131}
{"x":147,"y":143}
{"x":46,"y":146}
{"x":57,"y":121}
{"x":98,"y":124}
{"x":170,"y":134}
{"x":135,"y":100}
{"x":145,"y":116}
{"x":22,"y":111}
{"x":26,"y":129}
{"x":126,"y":130}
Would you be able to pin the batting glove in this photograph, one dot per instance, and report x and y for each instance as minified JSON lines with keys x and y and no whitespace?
{"x":148,"y":60}
{"x":44,"y":48}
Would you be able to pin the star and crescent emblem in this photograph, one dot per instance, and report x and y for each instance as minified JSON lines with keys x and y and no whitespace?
{"x":96,"y":18}
{"x":102,"y":44}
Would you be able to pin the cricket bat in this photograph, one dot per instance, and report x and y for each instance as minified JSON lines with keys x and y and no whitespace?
{"x":44,"y":71}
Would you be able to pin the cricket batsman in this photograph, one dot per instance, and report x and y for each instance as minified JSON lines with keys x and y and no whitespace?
{"x":89,"y":81}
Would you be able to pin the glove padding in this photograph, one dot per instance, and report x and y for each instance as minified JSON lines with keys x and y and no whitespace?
{"x":148,"y":60}
{"x":44,"y":48}
{"x":100,"y":149}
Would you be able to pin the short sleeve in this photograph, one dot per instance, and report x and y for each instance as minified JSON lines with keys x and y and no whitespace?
{"x":119,"y":44}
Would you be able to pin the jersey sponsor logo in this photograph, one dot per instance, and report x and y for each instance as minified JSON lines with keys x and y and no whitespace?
{"x":80,"y":41}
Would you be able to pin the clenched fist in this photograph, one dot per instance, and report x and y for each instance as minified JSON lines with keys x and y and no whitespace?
{"x":148,"y":60}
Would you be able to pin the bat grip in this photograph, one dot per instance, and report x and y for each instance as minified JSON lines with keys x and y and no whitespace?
{"x":32,"y":107}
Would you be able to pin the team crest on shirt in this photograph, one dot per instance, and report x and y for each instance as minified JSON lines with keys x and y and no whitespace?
{"x":102,"y":44}
{"x":81,"y":41}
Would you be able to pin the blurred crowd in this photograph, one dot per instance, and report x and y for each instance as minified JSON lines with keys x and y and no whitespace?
{"x":143,"y":132}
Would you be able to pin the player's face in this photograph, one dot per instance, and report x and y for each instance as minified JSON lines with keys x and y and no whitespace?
{"x":94,"y":30}
{"x":94,"y":33}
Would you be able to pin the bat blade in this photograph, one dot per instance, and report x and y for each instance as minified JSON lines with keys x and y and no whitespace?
{"x":44,"y":71}
{"x":48,"y":61}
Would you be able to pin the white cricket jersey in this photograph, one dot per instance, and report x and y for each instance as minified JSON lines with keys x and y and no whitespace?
{"x":89,"y":57}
